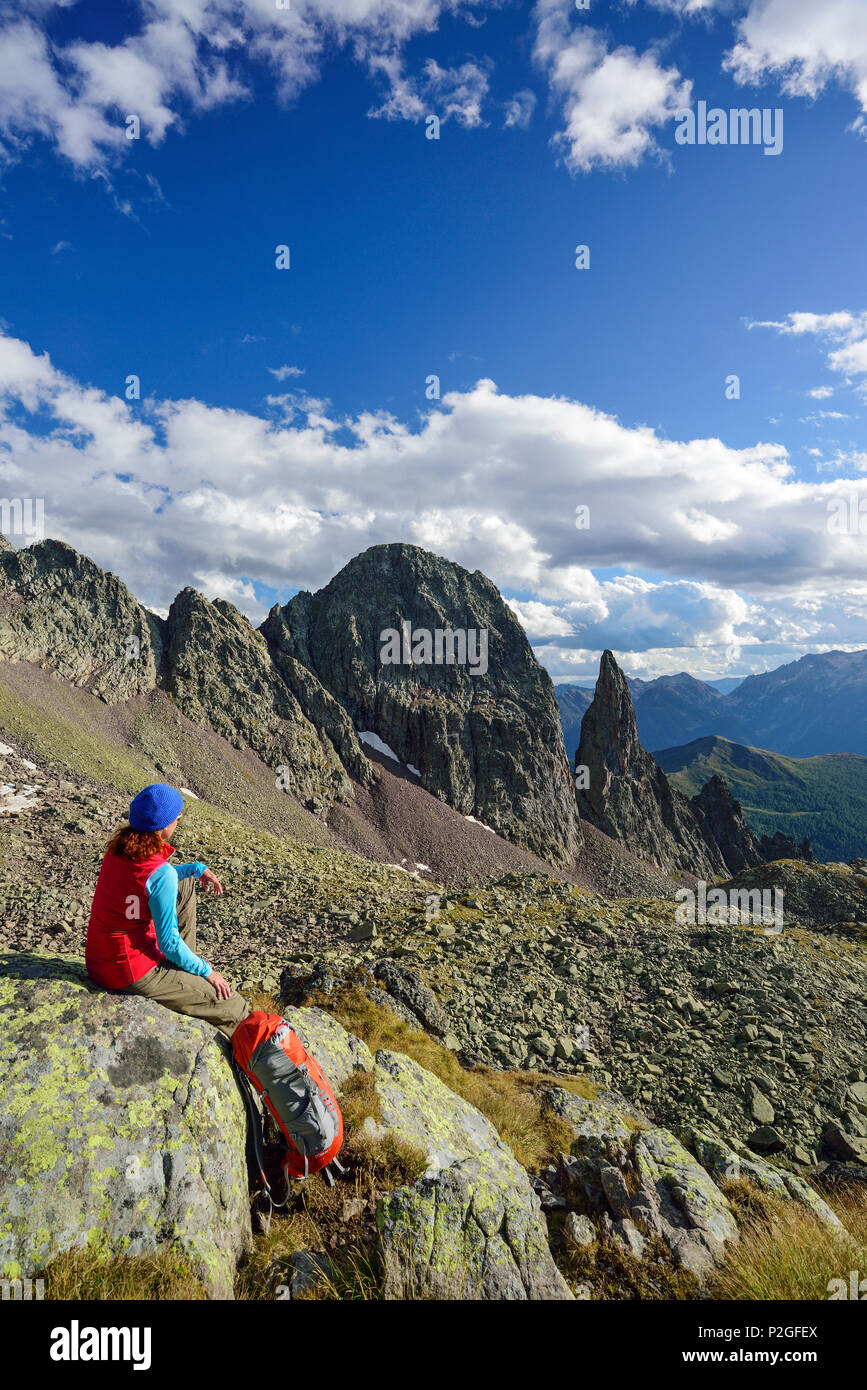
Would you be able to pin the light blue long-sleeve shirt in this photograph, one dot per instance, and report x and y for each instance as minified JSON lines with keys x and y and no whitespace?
{"x":162,"y":891}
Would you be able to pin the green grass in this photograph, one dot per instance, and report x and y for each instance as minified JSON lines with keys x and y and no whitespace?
{"x":68,"y":741}
{"x":88,"y":1276}
{"x":121,"y":747}
{"x":612,"y":1274}
{"x":784,"y":1252}
{"x":511,"y":1100}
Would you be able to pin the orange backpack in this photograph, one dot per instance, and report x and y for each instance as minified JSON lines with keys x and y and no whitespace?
{"x":293,"y":1086}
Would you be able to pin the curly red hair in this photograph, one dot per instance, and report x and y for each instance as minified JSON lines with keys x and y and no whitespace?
{"x":136,"y":845}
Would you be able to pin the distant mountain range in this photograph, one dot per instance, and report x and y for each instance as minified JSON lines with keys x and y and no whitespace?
{"x":823,"y":798}
{"x":408,"y":756}
{"x":726,"y":684}
{"x":812,"y":706}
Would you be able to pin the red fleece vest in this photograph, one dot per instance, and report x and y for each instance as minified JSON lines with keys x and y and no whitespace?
{"x":121,"y":937}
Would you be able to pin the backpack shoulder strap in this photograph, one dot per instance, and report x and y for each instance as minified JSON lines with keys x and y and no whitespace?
{"x":257,"y":1127}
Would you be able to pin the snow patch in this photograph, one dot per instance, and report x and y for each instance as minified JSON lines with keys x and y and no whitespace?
{"x":410,"y":768}
{"x":185,"y":791}
{"x":413,"y":873}
{"x":481,"y":823}
{"x":374,"y":741}
{"x":6,"y":751}
{"x":14,"y":799}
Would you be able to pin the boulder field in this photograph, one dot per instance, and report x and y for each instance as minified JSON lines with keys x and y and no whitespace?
{"x":123,"y":1130}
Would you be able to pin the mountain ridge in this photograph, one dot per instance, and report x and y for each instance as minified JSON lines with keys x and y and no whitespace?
{"x":797,"y":709}
{"x":625,"y":794}
{"x":492,"y":750}
{"x":604,"y":1065}
{"x":302,"y":690}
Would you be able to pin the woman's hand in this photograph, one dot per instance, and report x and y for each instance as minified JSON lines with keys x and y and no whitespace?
{"x":210,"y":881}
{"x":221,"y":985}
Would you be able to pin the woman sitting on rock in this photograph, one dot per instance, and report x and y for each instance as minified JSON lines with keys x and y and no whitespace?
{"x":141,"y":938}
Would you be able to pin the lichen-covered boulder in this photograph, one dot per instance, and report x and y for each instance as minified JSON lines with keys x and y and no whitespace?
{"x":338,"y":1052}
{"x":722,"y":1161}
{"x":406,"y":988}
{"x":471,"y":1226}
{"x":632,"y":1174}
{"x":418,"y":1106}
{"x":590,"y":1118}
{"x":472,"y":1230}
{"x":601,"y":1139}
{"x":694,"y":1216}
{"x":121,"y":1127}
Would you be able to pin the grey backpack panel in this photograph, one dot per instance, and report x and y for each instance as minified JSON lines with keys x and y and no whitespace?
{"x":294,"y":1097}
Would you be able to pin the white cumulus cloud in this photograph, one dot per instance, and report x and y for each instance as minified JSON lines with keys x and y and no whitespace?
{"x":612,"y":100}
{"x":845,"y":335}
{"x":190,"y":56}
{"x":701,"y":545}
{"x":805,"y":45}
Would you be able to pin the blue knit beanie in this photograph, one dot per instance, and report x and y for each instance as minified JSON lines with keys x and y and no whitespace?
{"x":155,"y":807}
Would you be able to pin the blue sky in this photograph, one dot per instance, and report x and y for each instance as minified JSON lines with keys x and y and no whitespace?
{"x":283,"y":423}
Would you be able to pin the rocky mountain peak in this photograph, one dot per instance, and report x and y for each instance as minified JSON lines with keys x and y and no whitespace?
{"x":630,"y":798}
{"x":609,"y":732}
{"x":220,"y":672}
{"x":721,"y":817}
{"x":782,"y":846}
{"x":429,"y":657}
{"x":458,"y":695}
{"x":60,"y":610}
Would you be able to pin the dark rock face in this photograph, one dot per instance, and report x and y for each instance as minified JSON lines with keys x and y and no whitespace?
{"x":318,"y":705}
{"x":220,"y":672}
{"x":488,"y":744}
{"x":59,"y":610}
{"x":780,"y":846}
{"x":628,"y":796}
{"x":721,"y":819}
{"x":409,"y":989}
{"x":479,"y":722}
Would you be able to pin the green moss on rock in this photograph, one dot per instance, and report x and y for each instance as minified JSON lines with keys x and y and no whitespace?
{"x":121,"y":1126}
